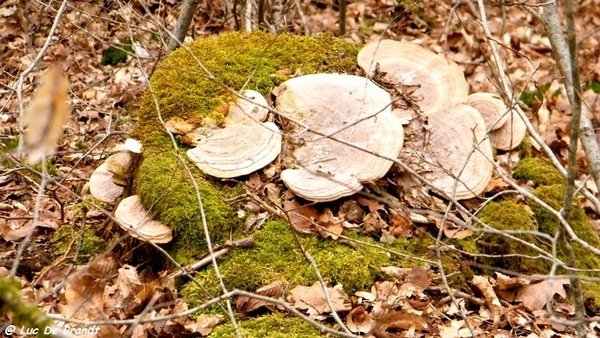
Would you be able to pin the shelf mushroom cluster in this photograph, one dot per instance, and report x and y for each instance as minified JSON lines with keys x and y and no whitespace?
{"x":446,"y":130}
{"x":341,"y":131}
{"x":344,"y":130}
{"x":108,"y":183}
{"x":449,"y":143}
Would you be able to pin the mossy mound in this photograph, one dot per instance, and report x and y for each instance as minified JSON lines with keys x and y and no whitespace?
{"x":539,"y":171}
{"x":274,"y":325}
{"x":553,"y":195}
{"x":509,"y":215}
{"x":182,"y":87}
{"x":67,"y":239}
{"x":277,"y":256}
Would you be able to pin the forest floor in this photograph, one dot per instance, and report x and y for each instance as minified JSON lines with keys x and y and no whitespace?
{"x":102,"y":97}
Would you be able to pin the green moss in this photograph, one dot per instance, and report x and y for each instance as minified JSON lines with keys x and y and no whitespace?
{"x":181,"y":87}
{"x":591,"y":292}
{"x":593,"y":85}
{"x":529,"y":98}
{"x":274,"y":325}
{"x":67,"y":239}
{"x":554,"y":196}
{"x":539,"y":171}
{"x":21,"y":312}
{"x":276,"y":256}
{"x":116,"y":54}
{"x":510,"y":215}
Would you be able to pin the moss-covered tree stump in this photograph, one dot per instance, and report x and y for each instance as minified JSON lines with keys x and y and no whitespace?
{"x":182,"y":87}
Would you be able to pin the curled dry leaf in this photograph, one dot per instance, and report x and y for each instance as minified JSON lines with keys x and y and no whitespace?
{"x":46,"y":115}
{"x":246,"y":305}
{"x":491,"y":299}
{"x":312,"y":299}
{"x":359,"y":321}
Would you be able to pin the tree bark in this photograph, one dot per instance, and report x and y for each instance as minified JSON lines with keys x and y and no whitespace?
{"x":188,"y":9}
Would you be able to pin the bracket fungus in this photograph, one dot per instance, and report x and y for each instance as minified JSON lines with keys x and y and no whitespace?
{"x":507,"y":128}
{"x":348,"y":112}
{"x":439,"y":82}
{"x":510,"y":134}
{"x":491,"y":107}
{"x":102,"y":186}
{"x":109,"y":180}
{"x":452,"y":152}
{"x":131,"y":216}
{"x":244,"y":145}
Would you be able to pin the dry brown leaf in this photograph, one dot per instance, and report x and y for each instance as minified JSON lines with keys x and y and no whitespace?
{"x":48,"y":111}
{"x":312,"y":299}
{"x":254,"y":181}
{"x":205,"y":324}
{"x":359,"y":321}
{"x":398,"y":320}
{"x":331,"y":225}
{"x":534,"y":296}
{"x":491,"y":299}
{"x":419,"y":277}
{"x":400,"y":224}
{"x":373,"y":205}
{"x":246,"y":305}
{"x":300,"y":216}
{"x":451,"y":230}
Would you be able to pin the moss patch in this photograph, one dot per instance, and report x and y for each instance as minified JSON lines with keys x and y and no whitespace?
{"x":275,"y":325}
{"x":554,"y":195}
{"x":182,"y":87}
{"x":510,"y":215}
{"x":20,"y":312}
{"x":277,"y":256}
{"x":67,"y":239}
{"x":539,"y":171}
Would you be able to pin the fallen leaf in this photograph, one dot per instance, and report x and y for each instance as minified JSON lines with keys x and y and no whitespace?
{"x":246,"y":304}
{"x":331,"y":225}
{"x":359,"y":321}
{"x":534,"y":296}
{"x":46,"y":115}
{"x":300,"y":216}
{"x":312,"y":299}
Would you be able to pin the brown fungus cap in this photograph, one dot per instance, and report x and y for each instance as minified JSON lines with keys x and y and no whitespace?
{"x":452,"y":150}
{"x":491,"y":107}
{"x":438,"y":82}
{"x":102,"y":186}
{"x":244,"y":146}
{"x":335,"y":106}
{"x":510,"y":135}
{"x":131,"y":216}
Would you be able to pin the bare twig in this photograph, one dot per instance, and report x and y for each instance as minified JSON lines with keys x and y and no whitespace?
{"x":188,"y":8}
